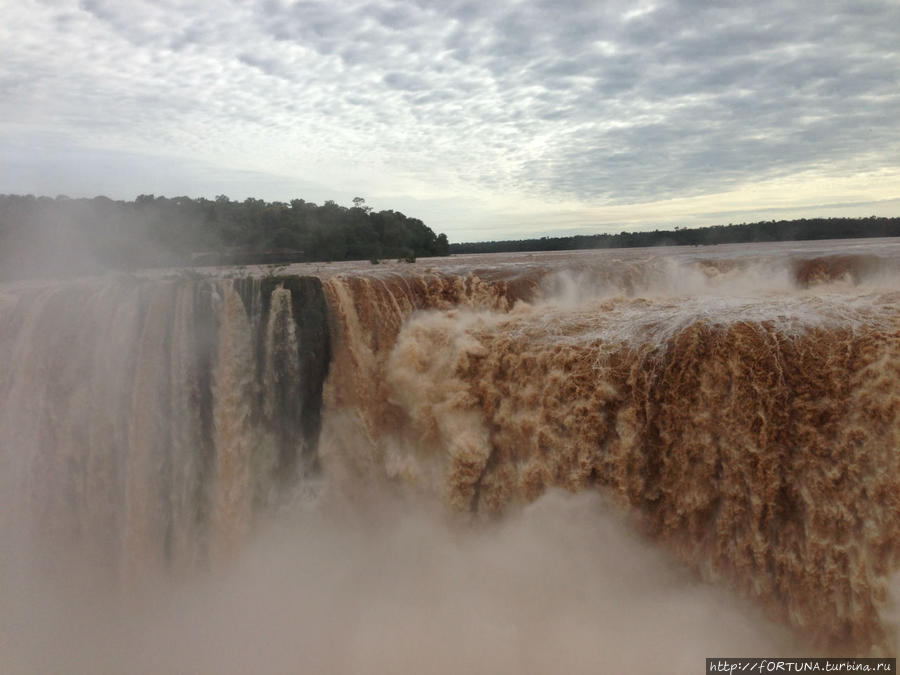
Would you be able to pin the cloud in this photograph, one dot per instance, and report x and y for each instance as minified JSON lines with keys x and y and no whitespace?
{"x":33,"y":169}
{"x":405,"y":82}
{"x":577,"y":102}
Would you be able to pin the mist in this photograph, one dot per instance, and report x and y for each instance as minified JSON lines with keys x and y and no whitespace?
{"x":564,"y":585}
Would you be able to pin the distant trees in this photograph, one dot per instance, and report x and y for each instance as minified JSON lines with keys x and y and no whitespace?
{"x":443,"y":246}
{"x":42,"y":235}
{"x":59,"y":236}
{"x":764,"y":231}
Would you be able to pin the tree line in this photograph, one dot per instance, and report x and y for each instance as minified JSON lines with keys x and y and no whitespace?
{"x":54,"y":236}
{"x":43,"y":236}
{"x":763,"y":231}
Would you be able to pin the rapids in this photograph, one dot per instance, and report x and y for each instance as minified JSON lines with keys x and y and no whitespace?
{"x":559,"y":461}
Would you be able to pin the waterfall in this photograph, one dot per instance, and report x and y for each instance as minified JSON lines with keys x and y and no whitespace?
{"x":734,"y":409}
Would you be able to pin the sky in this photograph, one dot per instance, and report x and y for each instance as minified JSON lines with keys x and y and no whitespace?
{"x":487,"y":120}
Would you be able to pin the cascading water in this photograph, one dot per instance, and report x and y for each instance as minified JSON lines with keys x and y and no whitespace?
{"x":746,"y":408}
{"x":736,"y":405}
{"x":143,"y":423}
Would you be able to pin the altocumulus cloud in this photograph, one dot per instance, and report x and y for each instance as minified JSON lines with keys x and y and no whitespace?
{"x":586,"y":104}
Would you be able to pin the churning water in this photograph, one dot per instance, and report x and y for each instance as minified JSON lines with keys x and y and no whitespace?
{"x":580,"y":462}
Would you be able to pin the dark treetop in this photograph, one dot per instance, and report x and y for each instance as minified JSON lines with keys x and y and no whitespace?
{"x":44,"y":236}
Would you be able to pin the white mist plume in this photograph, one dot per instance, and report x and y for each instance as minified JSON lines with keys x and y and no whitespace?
{"x":561,"y":586}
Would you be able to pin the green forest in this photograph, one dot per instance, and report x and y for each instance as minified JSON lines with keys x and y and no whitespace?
{"x":44,"y":236}
{"x":764,"y":231}
{"x":58,"y":236}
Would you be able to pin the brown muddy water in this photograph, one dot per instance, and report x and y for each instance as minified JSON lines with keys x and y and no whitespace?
{"x":562,"y":462}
